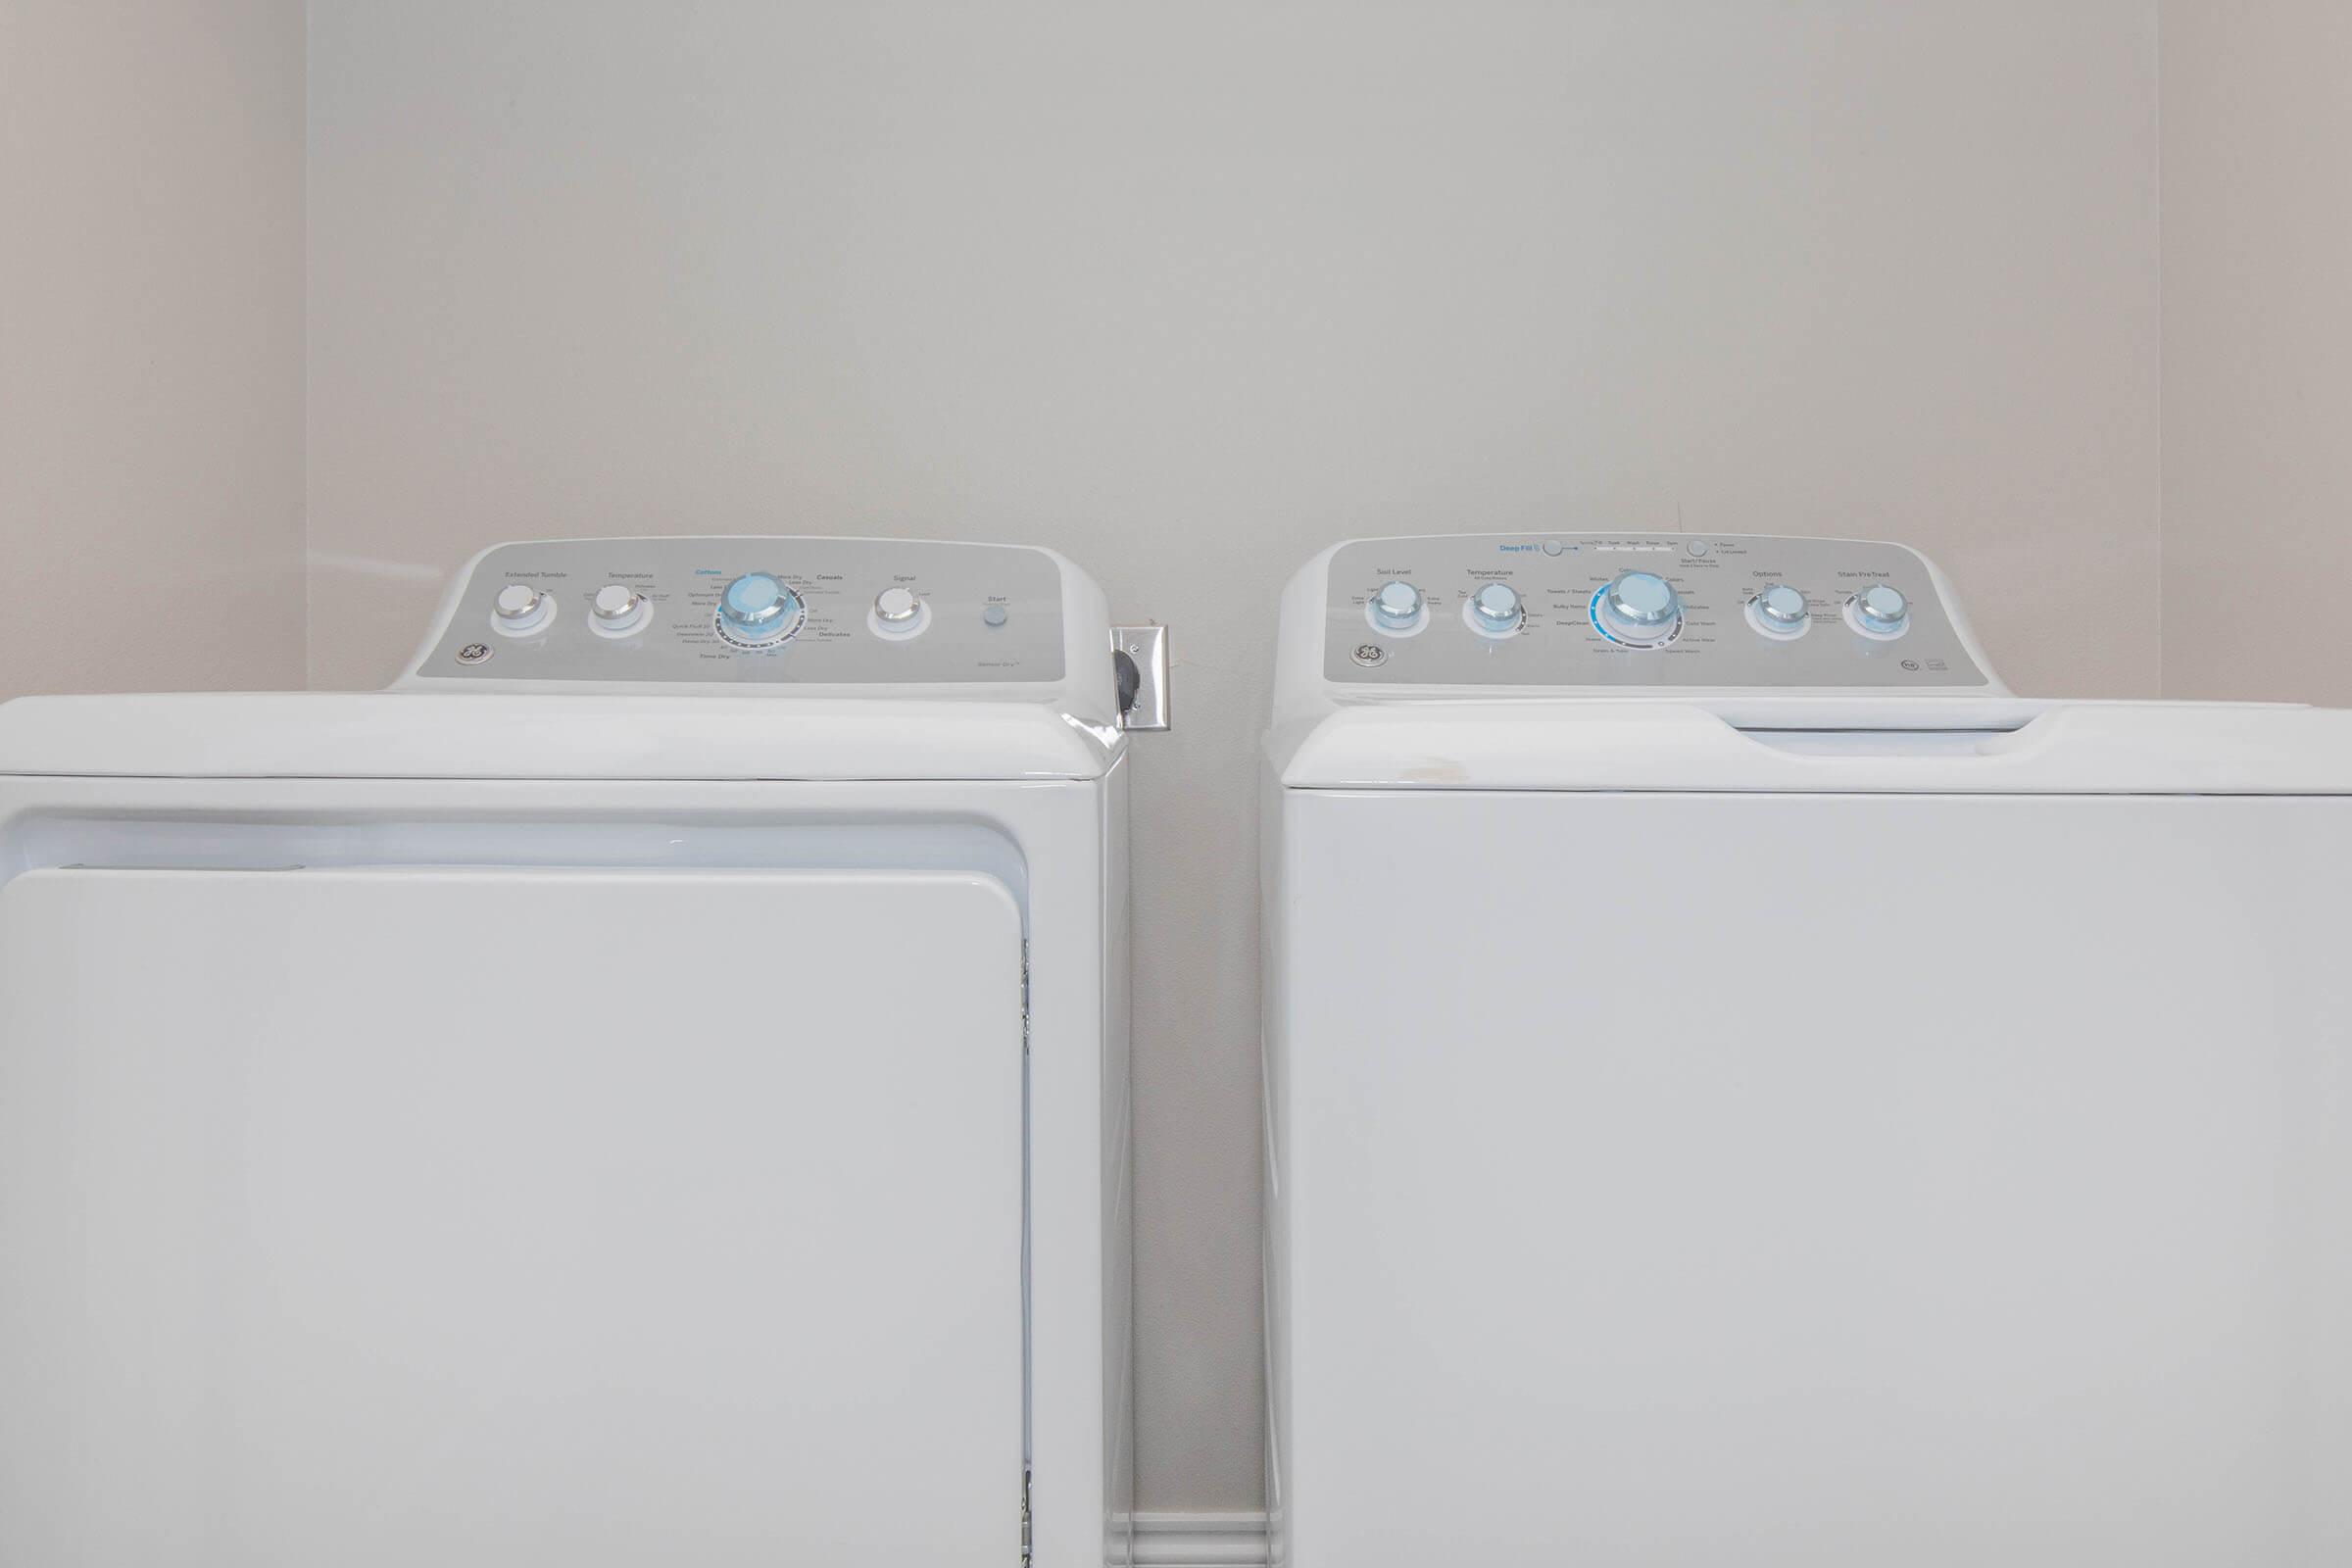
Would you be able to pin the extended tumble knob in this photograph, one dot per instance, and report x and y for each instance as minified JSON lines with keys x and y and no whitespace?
{"x":1495,"y":609}
{"x":1881,"y":610}
{"x":520,"y":607}
{"x":1396,"y":606}
{"x":757,"y":608}
{"x":1639,"y":607}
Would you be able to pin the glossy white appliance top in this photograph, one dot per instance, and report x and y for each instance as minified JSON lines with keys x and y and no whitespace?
{"x":621,"y":659}
{"x":764,"y":613}
{"x":1765,"y":663}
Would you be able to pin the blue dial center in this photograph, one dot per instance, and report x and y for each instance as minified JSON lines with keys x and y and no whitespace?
{"x":753,"y":594}
{"x":1642,"y":594}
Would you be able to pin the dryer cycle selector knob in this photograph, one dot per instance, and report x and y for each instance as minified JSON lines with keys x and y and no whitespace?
{"x":521,"y":609}
{"x":757,"y":609}
{"x":1396,"y":606}
{"x":1880,"y":611}
{"x":1639,"y":607}
{"x":1496,"y":609}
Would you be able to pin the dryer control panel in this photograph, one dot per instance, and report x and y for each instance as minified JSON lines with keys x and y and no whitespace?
{"x":1633,"y":610}
{"x":801,"y":611}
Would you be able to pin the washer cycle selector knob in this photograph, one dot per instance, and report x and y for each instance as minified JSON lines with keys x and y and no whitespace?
{"x":1495,"y":610}
{"x":1779,"y":610}
{"x":1396,"y":606}
{"x":1879,"y":610}
{"x":617,"y":610}
{"x":521,"y":609}
{"x":1639,"y":607}
{"x":757,"y":609}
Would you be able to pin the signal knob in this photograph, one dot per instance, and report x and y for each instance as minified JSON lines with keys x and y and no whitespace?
{"x":898,"y":612}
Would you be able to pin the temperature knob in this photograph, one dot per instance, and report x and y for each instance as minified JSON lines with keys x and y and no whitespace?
{"x":521,"y":609}
{"x":1639,"y":607}
{"x":1778,"y":611}
{"x":1880,"y":611}
{"x":617,"y":610}
{"x":1495,"y":610}
{"x":757,"y":609}
{"x":1396,"y":606}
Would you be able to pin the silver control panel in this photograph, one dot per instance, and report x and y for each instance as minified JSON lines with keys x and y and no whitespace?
{"x":1631,"y":610}
{"x":784,"y":610}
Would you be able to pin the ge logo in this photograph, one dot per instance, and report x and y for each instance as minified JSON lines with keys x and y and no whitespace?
{"x":1369,"y":655}
{"x":474,"y":654}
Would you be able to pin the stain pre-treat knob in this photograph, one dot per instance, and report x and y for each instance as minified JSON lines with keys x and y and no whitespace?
{"x":520,"y":610}
{"x":1879,"y":610}
{"x":1397,"y":606}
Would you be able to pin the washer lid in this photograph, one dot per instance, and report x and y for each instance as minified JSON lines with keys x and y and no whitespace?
{"x":2008,"y":747}
{"x":416,"y":735}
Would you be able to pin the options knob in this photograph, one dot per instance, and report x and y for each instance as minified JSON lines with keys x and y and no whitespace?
{"x":898,"y":612}
{"x":757,"y":609}
{"x":618,"y":609}
{"x":1639,"y":607}
{"x":1495,"y":610}
{"x":1779,"y":610}
{"x":520,"y":610}
{"x":1879,"y":610}
{"x":1395,"y":607}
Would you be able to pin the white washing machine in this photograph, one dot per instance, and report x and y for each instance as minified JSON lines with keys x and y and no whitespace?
{"x":652,"y":1087}
{"x":1744,"y":1089}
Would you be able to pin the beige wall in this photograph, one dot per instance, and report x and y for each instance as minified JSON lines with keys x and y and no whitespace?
{"x":151,"y":258}
{"x":2257,"y":349}
{"x":1190,"y":293}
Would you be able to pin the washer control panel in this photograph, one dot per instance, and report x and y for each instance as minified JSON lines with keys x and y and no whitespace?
{"x":786,"y":611}
{"x":1630,"y":611}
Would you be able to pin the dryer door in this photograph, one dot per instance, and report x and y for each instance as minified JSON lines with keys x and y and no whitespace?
{"x":469,"y":1216}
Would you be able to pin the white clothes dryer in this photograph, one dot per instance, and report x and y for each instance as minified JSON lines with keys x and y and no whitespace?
{"x":652,"y":1087}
